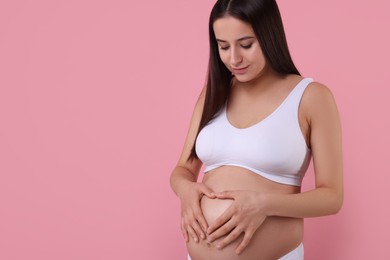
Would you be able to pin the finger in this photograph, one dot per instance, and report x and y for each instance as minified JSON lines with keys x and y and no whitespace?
{"x":207,"y":191}
{"x":223,"y":230}
{"x":184,"y":231}
{"x":226,"y":194}
{"x":203,"y":223}
{"x":233,"y":235}
{"x":192,"y":233}
{"x":225,"y":217}
{"x":198,"y":230}
{"x":200,"y":217}
{"x":245,"y":242}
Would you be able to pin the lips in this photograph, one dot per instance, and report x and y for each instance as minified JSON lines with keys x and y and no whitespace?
{"x":240,"y":70}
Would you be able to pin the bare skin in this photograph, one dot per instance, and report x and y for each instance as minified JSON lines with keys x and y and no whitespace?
{"x":275,"y":237}
{"x":234,"y":209}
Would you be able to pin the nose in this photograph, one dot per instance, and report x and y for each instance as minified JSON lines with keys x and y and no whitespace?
{"x":235,"y":57}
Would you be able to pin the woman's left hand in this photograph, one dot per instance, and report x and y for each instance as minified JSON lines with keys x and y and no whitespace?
{"x":245,"y":215}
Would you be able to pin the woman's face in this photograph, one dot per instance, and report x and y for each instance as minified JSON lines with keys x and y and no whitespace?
{"x":239,"y":48}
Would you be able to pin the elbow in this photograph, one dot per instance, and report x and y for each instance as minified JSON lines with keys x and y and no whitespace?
{"x":332,"y":201}
{"x":337,"y":204}
{"x":332,"y":198}
{"x":337,"y":207}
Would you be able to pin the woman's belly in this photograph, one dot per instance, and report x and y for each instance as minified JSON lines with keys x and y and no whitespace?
{"x":275,"y":237}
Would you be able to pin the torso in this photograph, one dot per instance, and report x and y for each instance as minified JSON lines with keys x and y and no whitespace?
{"x":277,"y":235}
{"x":246,"y":109}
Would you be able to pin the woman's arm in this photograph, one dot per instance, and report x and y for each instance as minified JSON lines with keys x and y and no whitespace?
{"x":249,"y":209}
{"x":326,"y":146}
{"x":183,"y":181}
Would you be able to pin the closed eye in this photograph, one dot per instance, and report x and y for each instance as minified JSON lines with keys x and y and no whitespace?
{"x":246,"y":46}
{"x":243,"y":46}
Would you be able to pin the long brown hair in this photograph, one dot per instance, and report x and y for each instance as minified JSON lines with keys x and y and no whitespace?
{"x":265,"y":19}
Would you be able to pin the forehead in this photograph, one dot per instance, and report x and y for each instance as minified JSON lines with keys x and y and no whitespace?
{"x":229,"y":28}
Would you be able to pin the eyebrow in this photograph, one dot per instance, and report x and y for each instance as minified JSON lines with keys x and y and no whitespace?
{"x":241,"y":39}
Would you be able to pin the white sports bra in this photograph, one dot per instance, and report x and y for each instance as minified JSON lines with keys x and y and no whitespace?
{"x":273,"y":148}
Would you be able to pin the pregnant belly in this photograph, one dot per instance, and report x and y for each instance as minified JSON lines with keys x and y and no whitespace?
{"x":275,"y":237}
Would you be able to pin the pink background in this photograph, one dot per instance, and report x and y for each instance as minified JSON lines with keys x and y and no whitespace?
{"x":95,"y":101}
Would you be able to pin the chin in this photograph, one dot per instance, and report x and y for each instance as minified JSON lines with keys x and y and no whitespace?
{"x":243,"y":78}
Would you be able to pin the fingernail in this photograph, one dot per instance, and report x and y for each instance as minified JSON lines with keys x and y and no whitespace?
{"x":202,"y":236}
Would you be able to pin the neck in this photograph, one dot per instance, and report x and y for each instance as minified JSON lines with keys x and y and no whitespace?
{"x":265,"y":79}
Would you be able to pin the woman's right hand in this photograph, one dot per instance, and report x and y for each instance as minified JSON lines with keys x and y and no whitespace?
{"x":193,"y":223}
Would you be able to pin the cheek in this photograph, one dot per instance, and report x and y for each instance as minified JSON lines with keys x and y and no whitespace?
{"x":258,"y":61}
{"x":255,"y":55}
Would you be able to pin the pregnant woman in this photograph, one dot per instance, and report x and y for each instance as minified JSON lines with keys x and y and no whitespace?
{"x":255,"y":128}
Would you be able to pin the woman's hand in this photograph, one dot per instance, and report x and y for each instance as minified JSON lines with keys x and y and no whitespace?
{"x":193,"y":222}
{"x":245,"y":215}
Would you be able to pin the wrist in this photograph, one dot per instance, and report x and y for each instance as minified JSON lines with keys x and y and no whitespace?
{"x":184,"y":187}
{"x":267,"y":201}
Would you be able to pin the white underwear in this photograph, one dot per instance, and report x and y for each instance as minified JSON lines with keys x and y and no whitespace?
{"x":296,"y":254}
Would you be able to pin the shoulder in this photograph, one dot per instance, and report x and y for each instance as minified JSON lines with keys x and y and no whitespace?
{"x":316,"y":95}
{"x":316,"y":91}
{"x":318,"y":100}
